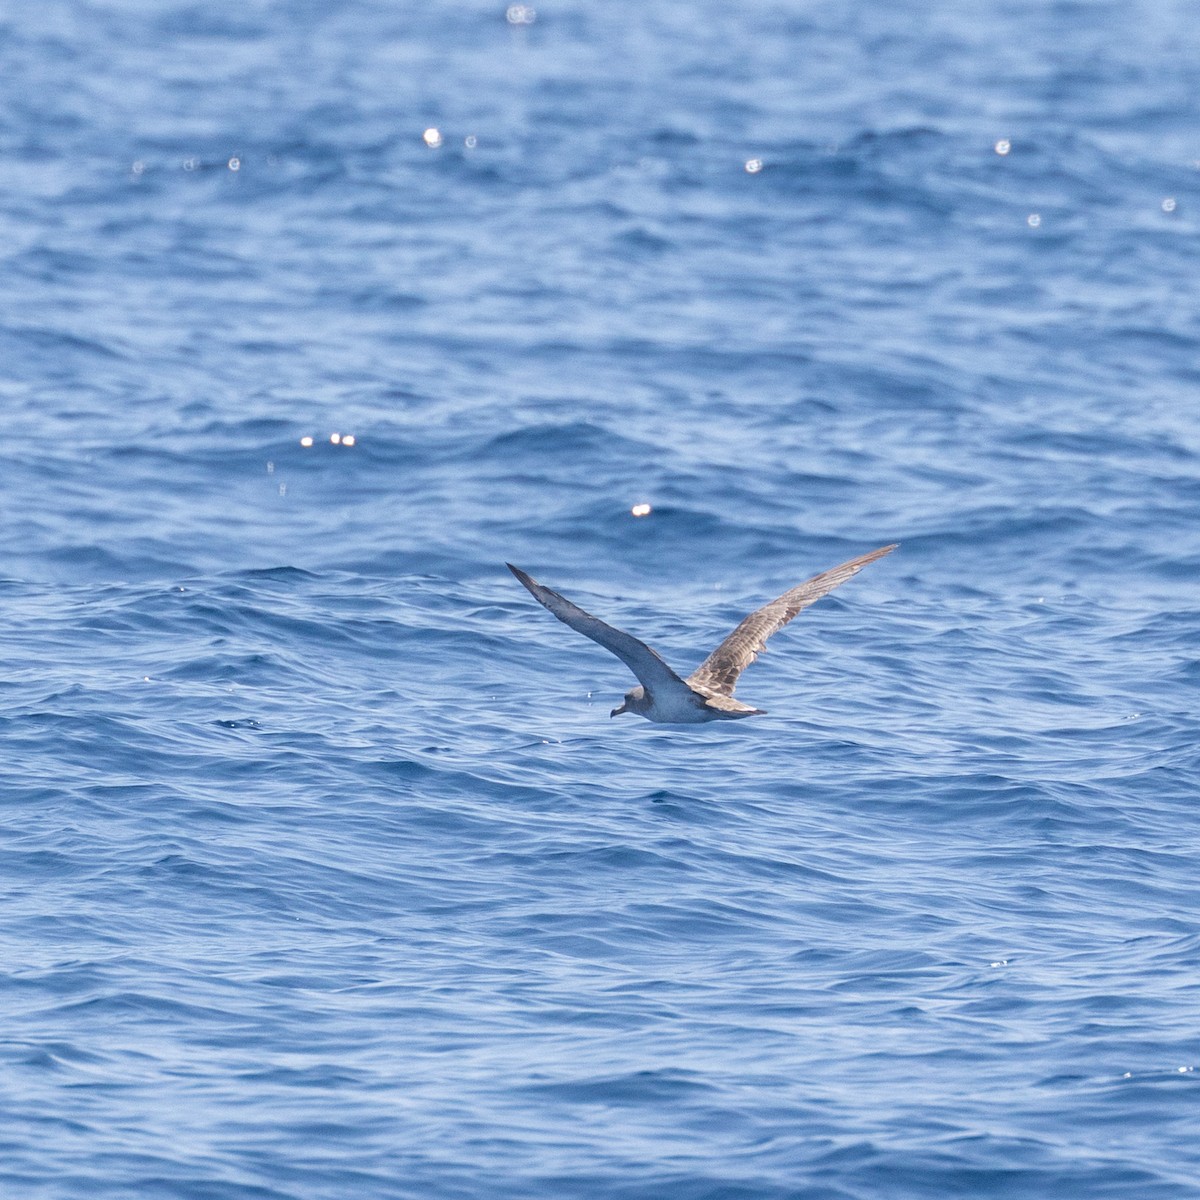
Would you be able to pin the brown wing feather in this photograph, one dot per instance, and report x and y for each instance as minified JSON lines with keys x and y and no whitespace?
{"x":720,"y":670}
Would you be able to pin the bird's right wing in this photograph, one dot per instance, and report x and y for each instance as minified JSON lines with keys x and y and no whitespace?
{"x":720,"y":670}
{"x":652,"y":672}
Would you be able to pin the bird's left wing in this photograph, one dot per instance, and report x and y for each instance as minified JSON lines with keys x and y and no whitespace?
{"x":646,"y":664}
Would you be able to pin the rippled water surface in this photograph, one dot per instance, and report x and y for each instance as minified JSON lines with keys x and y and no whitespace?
{"x":326,"y":871}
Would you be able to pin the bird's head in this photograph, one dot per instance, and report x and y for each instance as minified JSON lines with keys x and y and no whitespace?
{"x":635,"y":702}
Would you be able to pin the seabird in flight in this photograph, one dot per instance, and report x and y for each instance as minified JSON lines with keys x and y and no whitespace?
{"x":707,"y":693}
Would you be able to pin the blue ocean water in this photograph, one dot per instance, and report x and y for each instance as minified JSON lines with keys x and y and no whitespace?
{"x":326,"y":872}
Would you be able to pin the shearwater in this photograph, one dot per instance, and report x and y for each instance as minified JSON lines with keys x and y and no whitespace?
{"x":707,"y":693}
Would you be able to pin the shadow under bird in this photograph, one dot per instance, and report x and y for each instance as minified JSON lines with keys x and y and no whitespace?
{"x":707,"y":693}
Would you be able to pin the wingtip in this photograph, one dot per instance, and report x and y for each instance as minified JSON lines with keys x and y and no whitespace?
{"x":528,"y":582}
{"x":875,"y":555}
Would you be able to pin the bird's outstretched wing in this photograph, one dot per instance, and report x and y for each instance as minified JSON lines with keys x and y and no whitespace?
{"x":652,"y":672}
{"x":720,"y":670}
